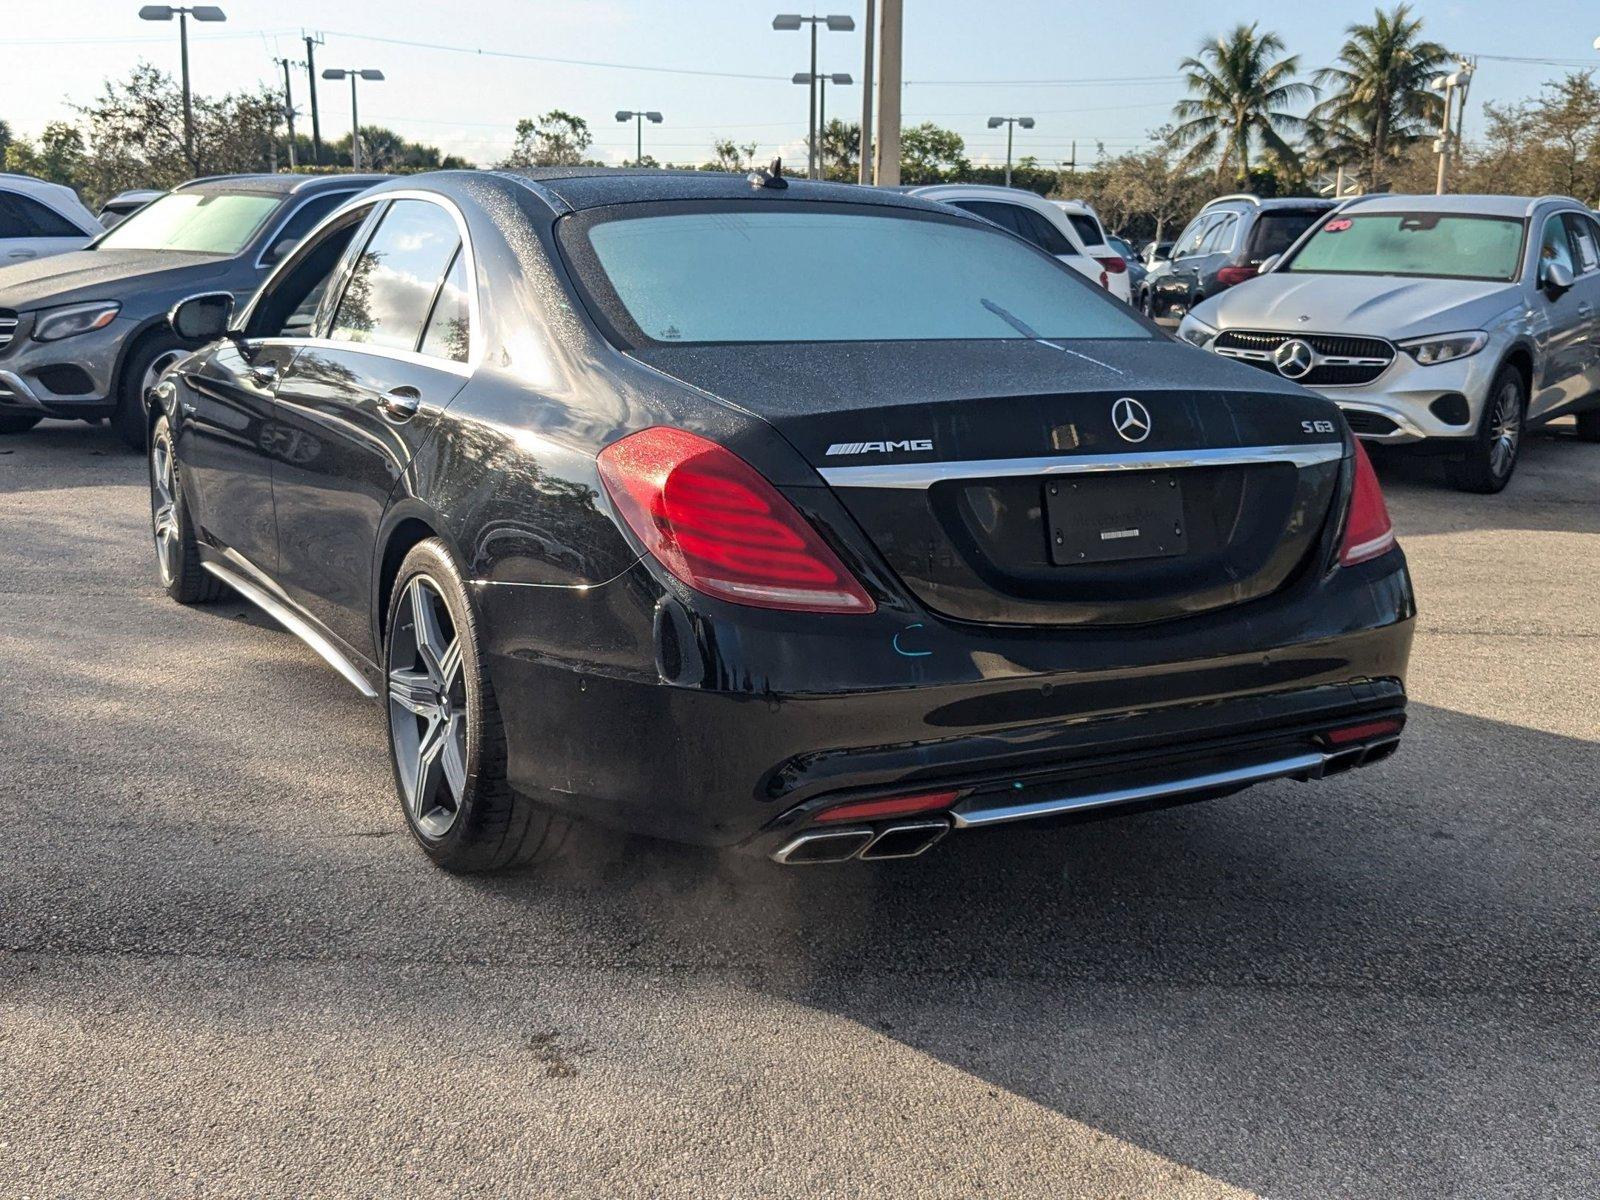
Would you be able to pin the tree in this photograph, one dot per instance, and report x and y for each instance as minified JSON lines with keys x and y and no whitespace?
{"x":731,"y":156}
{"x":1550,"y":143}
{"x":1380,"y":102}
{"x":932,"y":154}
{"x":1143,"y":193}
{"x":58,"y":156}
{"x":556,"y":139}
{"x":1241,"y":89}
{"x":840,"y":142}
{"x":384,"y":150}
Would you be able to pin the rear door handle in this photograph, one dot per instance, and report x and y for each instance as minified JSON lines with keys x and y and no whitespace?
{"x":400,"y":404}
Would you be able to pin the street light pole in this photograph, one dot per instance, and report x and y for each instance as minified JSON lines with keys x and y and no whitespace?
{"x":200,"y":12}
{"x":791,"y":22}
{"x":1448,"y":84}
{"x":353,"y":73}
{"x":819,"y":85}
{"x":639,"y":116}
{"x":1011,"y":124}
{"x":865,"y":175}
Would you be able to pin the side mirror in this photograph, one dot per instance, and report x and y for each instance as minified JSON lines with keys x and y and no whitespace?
{"x":281,"y":250}
{"x":1555,"y":279}
{"x":1268,"y":263}
{"x":202,"y":318}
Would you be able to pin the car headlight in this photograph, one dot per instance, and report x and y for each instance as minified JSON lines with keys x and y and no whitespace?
{"x":1196,"y":333}
{"x":58,"y":323}
{"x":1445,"y":347}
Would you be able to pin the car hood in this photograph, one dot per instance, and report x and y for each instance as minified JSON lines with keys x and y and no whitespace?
{"x":1376,"y":305}
{"x":101,"y":275}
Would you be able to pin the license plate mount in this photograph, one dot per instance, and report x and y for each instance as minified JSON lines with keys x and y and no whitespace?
{"x":1114,"y":518}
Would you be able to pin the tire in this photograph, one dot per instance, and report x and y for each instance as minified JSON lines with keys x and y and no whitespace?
{"x":10,"y":424}
{"x":150,"y":357}
{"x":447,"y":742}
{"x":1589,"y":425}
{"x":1486,"y":466}
{"x":177,"y":550}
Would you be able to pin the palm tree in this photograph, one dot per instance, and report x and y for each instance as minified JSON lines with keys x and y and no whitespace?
{"x":1241,"y":90}
{"x":1380,"y":100}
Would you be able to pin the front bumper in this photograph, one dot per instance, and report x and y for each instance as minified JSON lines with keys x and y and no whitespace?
{"x":735,"y":727}
{"x":73,"y":377}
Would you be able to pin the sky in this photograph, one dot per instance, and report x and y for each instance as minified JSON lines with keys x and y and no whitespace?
{"x":1097,"y":73}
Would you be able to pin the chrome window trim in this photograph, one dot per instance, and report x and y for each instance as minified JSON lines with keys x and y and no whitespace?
{"x":926,"y":474}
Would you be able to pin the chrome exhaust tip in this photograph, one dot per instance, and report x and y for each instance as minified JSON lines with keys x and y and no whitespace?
{"x":906,"y":839}
{"x":822,"y":846}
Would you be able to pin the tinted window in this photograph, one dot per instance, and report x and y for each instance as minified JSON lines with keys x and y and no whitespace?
{"x":23,"y":217}
{"x":391,"y":289}
{"x":1276,"y":230}
{"x":1423,"y":244}
{"x":205,"y":222}
{"x":449,"y":330}
{"x":1220,"y":236}
{"x":1581,"y":233}
{"x":301,"y":223}
{"x":1007,"y":216}
{"x":289,"y":303}
{"x":1088,"y":228}
{"x":782,"y":275}
{"x":1043,"y":233}
{"x":1189,"y":240}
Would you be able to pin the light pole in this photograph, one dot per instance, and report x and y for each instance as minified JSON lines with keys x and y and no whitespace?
{"x":1459,"y":78}
{"x":791,"y":22}
{"x":353,"y":73}
{"x":1011,"y":124}
{"x":200,"y":12}
{"x":640,"y":117}
{"x":868,"y":63}
{"x":821,"y":81}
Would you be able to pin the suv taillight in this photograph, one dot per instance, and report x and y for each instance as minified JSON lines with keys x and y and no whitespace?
{"x":1228,"y":276}
{"x":712,"y":520}
{"x":1367,"y":531}
{"x":1114,"y":263}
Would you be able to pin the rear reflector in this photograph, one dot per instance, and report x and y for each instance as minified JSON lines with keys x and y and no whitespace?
{"x":1367,"y":531}
{"x":710,"y":518}
{"x":1228,"y":276}
{"x":1357,"y":733}
{"x":1113,"y":263}
{"x":898,"y":806}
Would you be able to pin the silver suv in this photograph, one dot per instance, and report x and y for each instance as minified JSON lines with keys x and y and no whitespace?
{"x":1457,"y":321}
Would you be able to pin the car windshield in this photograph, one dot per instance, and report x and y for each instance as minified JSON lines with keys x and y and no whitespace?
{"x":1431,"y":245}
{"x":784,"y":275}
{"x":205,"y":222}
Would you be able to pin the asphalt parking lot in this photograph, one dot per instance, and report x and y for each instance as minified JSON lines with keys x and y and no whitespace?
{"x":226,"y":970}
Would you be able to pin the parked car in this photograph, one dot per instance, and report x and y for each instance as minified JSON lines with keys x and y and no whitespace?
{"x":806,"y":518}
{"x":1136,"y":268}
{"x":85,"y":334}
{"x":1092,"y":234}
{"x":1031,"y":217}
{"x":38,"y":219}
{"x":124,"y":204}
{"x":1452,"y":322}
{"x":1224,"y":245}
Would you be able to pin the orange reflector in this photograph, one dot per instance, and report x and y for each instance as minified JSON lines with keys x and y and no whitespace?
{"x":896,"y":806}
{"x":1355,"y":733}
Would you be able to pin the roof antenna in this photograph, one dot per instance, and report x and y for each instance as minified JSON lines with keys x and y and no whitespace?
{"x":772,"y":177}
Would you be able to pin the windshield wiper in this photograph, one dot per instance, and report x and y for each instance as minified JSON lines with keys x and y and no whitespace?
{"x":1010,"y":319}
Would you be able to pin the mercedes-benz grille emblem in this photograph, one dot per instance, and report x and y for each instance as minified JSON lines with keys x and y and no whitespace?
{"x":1130,"y":419}
{"x":1294,"y":358}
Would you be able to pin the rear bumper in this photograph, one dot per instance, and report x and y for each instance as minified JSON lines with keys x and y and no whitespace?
{"x":735,"y":727}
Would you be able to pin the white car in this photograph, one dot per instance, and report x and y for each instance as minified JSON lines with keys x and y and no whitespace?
{"x":38,"y":219}
{"x":1093,"y":235}
{"x":1040,"y":221}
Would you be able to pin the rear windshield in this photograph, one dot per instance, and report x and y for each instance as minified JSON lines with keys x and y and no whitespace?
{"x":1430,"y":245}
{"x":845,"y":274}
{"x":1088,"y":229}
{"x":1276,"y":230}
{"x":206,"y":222}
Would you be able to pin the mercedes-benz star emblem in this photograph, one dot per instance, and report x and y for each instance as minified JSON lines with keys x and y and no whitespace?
{"x":1294,"y":358}
{"x":1130,"y":419}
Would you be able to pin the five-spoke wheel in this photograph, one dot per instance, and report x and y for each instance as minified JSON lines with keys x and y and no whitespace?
{"x":428,"y":708}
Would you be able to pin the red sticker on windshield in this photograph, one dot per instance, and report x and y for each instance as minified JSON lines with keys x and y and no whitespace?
{"x":1338,"y":226}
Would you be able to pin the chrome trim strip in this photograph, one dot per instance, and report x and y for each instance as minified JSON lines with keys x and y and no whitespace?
{"x":921,"y":475}
{"x":295,"y":624}
{"x":783,"y":853}
{"x":20,"y":392}
{"x":938,"y":829}
{"x":1260,"y":772}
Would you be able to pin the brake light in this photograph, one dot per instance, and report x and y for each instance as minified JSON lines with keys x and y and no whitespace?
{"x":896,"y":806}
{"x":1228,"y":276}
{"x":1367,"y":530}
{"x":1114,"y":263}
{"x":1356,"y":733}
{"x":711,"y":519}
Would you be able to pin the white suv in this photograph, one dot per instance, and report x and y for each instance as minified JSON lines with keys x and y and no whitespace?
{"x":1029,"y":215}
{"x":1093,"y":236}
{"x":38,"y":219}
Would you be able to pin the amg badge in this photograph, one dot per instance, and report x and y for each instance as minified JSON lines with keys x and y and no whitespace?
{"x":839,"y":448}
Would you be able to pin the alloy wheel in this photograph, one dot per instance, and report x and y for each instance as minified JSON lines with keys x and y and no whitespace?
{"x":164,"y":508}
{"x":1505,"y":428}
{"x":428,"y":708}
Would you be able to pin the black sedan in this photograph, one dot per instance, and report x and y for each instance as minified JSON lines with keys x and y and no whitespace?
{"x":814,"y":520}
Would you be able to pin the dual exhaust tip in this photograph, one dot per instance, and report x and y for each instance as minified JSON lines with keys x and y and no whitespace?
{"x":901,"y":839}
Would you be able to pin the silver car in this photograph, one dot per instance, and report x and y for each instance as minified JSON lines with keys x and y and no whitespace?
{"x":1454,"y":321}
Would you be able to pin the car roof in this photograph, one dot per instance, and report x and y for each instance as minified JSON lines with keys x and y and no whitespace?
{"x":577,"y":188}
{"x":281,"y":184}
{"x":1487,"y":206}
{"x":1267,"y":204}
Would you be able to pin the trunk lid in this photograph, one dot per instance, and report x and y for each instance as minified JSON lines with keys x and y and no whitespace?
{"x":993,"y":479}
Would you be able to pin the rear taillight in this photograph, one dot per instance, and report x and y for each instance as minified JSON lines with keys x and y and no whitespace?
{"x":708,"y":517}
{"x":1359,"y":733}
{"x":895,"y":806}
{"x":1114,"y":264}
{"x":1367,"y":531}
{"x":1105,"y":280}
{"x":1228,"y":276}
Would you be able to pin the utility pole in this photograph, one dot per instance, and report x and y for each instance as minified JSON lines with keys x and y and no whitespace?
{"x":886,"y":153}
{"x":288,"y":107}
{"x":313,"y":40}
{"x":867,"y":98}
{"x":1448,"y":84}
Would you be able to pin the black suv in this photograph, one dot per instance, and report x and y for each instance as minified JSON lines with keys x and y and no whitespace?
{"x":1225,"y":244}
